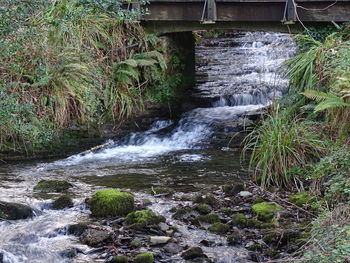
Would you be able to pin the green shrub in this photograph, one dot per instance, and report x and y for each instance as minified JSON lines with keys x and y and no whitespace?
{"x":278,"y":145}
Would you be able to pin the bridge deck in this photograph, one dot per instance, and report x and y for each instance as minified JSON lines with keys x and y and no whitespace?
{"x":248,"y":10}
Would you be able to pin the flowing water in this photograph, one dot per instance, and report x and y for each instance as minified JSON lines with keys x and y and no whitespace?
{"x":235,"y":74}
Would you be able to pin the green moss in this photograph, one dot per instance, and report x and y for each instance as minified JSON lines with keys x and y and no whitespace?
{"x":203,"y":209}
{"x":211,"y":218}
{"x":144,"y":258}
{"x":111,"y":202}
{"x":219,"y":228}
{"x":181,"y":212}
{"x":143,"y":218}
{"x":266,"y":210}
{"x":231,"y":190}
{"x":49,"y":186}
{"x":120,"y":259}
{"x":301,"y":199}
{"x":239,"y":219}
{"x":226,"y":211}
{"x":208,"y":199}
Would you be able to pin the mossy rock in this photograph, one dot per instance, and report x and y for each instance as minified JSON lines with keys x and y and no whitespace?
{"x":111,"y":202}
{"x":192,"y":253}
{"x":240,"y":219}
{"x":211,"y":218}
{"x":144,"y":258}
{"x":52,"y":186}
{"x":266,"y":210}
{"x":219,"y":228}
{"x":182,"y":212}
{"x":203,"y":209}
{"x":208,"y":199}
{"x":231,"y":190}
{"x":161,"y":190}
{"x":235,"y":237}
{"x":226,"y":211}
{"x":62,"y":202}
{"x":120,"y":259}
{"x":143,"y":218}
{"x":301,"y":199}
{"x":14,"y":211}
{"x":136,"y":243}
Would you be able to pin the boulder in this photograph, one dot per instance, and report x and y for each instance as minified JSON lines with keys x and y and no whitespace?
{"x":95,"y":237}
{"x":62,"y":202}
{"x":111,"y":202}
{"x":14,"y":211}
{"x":77,"y":229}
{"x":52,"y":186}
{"x":192,"y":253}
{"x":266,"y":210}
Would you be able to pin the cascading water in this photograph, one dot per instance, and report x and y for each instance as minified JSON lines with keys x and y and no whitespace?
{"x":235,"y":74}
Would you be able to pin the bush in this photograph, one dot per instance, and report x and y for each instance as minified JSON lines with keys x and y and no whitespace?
{"x":277,"y":146}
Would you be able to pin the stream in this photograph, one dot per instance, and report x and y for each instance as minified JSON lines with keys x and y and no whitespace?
{"x":236,"y":74}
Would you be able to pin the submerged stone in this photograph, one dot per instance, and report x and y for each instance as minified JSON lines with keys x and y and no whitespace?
{"x":52,"y":186}
{"x":266,"y":210}
{"x":219,"y":228}
{"x":144,"y":258}
{"x":143,"y":218}
{"x":62,"y":202}
{"x":14,"y":211}
{"x":111,"y":202}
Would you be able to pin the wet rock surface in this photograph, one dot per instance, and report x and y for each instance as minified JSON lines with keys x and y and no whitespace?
{"x":14,"y":211}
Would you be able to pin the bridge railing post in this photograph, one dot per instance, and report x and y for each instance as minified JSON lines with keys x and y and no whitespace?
{"x":209,"y":15}
{"x":290,"y":12}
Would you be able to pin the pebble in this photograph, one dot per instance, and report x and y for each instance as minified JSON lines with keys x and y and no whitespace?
{"x":158,"y":240}
{"x":245,"y":194}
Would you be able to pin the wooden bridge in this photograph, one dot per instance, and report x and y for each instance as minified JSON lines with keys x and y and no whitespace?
{"x":188,"y":15}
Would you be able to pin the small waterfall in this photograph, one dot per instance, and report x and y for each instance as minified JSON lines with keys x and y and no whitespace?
{"x":236,"y":74}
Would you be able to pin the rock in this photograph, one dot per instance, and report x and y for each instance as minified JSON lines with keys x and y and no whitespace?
{"x":211,"y":218}
{"x":245,"y":194}
{"x":14,"y":211}
{"x":111,"y":202}
{"x":234,"y":238}
{"x":192,"y":253}
{"x":226,"y":211}
{"x":231,"y":190}
{"x":143,"y":218}
{"x":208,"y":199}
{"x":69,"y":253}
{"x":159,"y":240}
{"x":163,"y":226}
{"x":77,"y":229}
{"x":95,"y":237}
{"x":266,"y":210}
{"x":173,"y":248}
{"x":185,"y":213}
{"x":62,"y":202}
{"x":241,"y":220}
{"x":161,"y":190}
{"x":146,"y":202}
{"x":219,"y":228}
{"x":203,"y":209}
{"x":144,"y":258}
{"x":52,"y":186}
{"x":120,"y":259}
{"x":136,"y":243}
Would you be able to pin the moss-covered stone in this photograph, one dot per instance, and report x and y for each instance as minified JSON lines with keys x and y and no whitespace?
{"x":111,"y":202}
{"x":203,"y":209}
{"x":52,"y":186}
{"x":62,"y":202}
{"x":241,"y":220}
{"x":136,"y":243}
{"x":219,"y":228}
{"x":266,"y":210}
{"x":234,"y":238}
{"x":144,"y":258}
{"x":120,"y":259}
{"x":143,"y":218}
{"x":211,"y":218}
{"x":181,"y":212}
{"x":301,"y":199}
{"x":14,"y":211}
{"x":192,"y":253}
{"x":208,"y":199}
{"x":230,"y":189}
{"x":226,"y":211}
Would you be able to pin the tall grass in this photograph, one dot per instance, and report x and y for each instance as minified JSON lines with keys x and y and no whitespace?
{"x":278,"y":145}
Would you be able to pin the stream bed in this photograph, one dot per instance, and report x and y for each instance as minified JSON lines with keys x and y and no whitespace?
{"x":236,"y":74}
